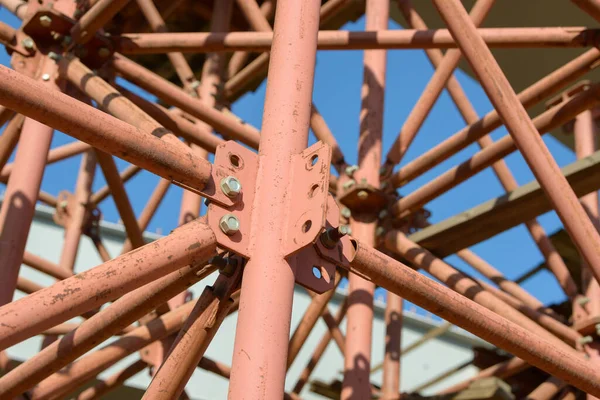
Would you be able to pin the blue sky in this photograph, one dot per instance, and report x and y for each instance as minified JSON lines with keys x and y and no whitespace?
{"x":338,"y":80}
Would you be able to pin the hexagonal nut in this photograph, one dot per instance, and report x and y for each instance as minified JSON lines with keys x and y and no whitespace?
{"x":229,"y":224}
{"x":231,"y":186}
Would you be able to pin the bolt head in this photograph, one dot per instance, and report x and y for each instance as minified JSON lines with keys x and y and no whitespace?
{"x":346,"y":213}
{"x":344,"y":229}
{"x":45,"y":21}
{"x":362,"y":195}
{"x":229,"y":224}
{"x":28,"y":43}
{"x":349,"y":184}
{"x":582,"y":301}
{"x":231,"y":186}
{"x":351,"y":169}
{"x":103,"y":52}
{"x":383,"y":214}
{"x":46,"y":77}
{"x":379,"y":231}
{"x":54,"y":56}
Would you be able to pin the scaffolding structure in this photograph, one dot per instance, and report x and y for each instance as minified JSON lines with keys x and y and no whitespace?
{"x":276,"y":215}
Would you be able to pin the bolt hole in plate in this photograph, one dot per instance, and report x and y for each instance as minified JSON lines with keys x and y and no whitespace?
{"x":312,"y":271}
{"x":232,"y":159}
{"x":235,"y":160}
{"x":317,"y":272}
{"x":308,"y":197}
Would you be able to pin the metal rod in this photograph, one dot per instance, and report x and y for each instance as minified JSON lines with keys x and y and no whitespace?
{"x":585,"y":132}
{"x":461,"y":283}
{"x":125,"y":176}
{"x":391,"y":361}
{"x":429,"y":335}
{"x":68,"y":379}
{"x":359,"y":323}
{"x":442,"y":376}
{"x":215,"y":367}
{"x":27,"y":286}
{"x":9,"y":139}
{"x":547,"y":390}
{"x":455,"y":308}
{"x":78,"y":211}
{"x":18,"y":206}
{"x":529,"y":97}
{"x":178,"y":61}
{"x":96,"y":17}
{"x":112,"y":382}
{"x":101,"y":130}
{"x":54,"y":155}
{"x":592,"y":7}
{"x":502,"y":370}
{"x":193,"y":339}
{"x":506,"y":179}
{"x":111,"y":173}
{"x":239,"y":58}
{"x":192,"y":132}
{"x":262,"y":333}
{"x":254,"y":15}
{"x":94,"y":287}
{"x":201,"y":42}
{"x":320,"y":350}
{"x":543,"y":123}
{"x":524,"y":132}
{"x":148,"y":212}
{"x":443,"y":72}
{"x":100,"y":327}
{"x":168,"y":92}
{"x":45,"y":266}
{"x":315,"y":309}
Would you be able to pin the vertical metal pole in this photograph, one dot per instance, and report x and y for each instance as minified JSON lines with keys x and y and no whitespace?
{"x":261,"y":342}
{"x":359,"y":326}
{"x":585,"y":132}
{"x":82,"y":196}
{"x":391,"y":360}
{"x":21,"y":194}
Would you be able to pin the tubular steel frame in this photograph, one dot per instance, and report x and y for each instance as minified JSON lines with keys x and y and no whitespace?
{"x":275,"y":215}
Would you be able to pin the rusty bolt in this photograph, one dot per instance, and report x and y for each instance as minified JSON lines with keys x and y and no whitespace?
{"x":229,"y":224}
{"x":45,"y":21}
{"x":332,"y":236}
{"x":28,"y":43}
{"x":347,"y":229}
{"x":362,"y":195}
{"x":379,"y":231}
{"x":231,"y":186}
{"x":582,"y":301}
{"x":54,"y":56}
{"x":586,"y":339}
{"x":346,"y":213}
{"x":103,"y":52}
{"x":347,"y":185}
{"x":46,"y":77}
{"x":351,"y":169}
{"x":194,"y":85}
{"x":383,"y":214}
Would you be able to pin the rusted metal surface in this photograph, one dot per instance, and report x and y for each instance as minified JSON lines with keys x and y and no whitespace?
{"x":276,"y":216}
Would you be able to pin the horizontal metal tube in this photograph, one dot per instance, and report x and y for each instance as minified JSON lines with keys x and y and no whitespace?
{"x":194,"y":42}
